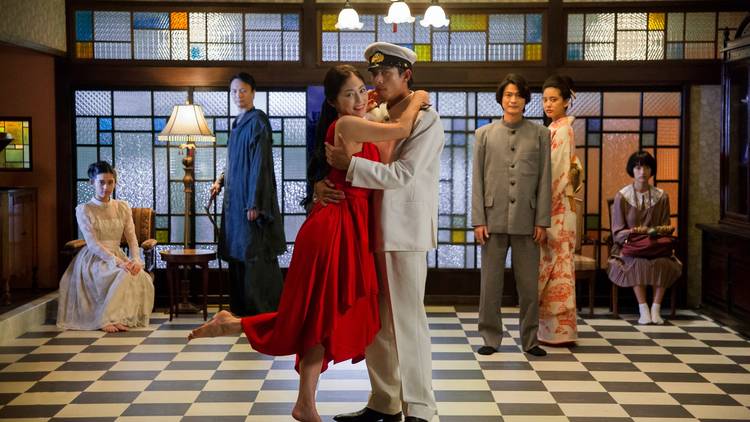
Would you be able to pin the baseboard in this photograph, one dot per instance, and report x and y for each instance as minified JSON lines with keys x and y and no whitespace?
{"x":24,"y":318}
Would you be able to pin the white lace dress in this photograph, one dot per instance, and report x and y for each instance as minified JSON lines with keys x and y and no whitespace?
{"x":94,"y":291}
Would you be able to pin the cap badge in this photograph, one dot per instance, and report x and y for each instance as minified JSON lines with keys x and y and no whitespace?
{"x":377,"y":58}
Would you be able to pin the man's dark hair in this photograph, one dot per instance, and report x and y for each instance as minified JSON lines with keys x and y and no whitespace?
{"x":641,"y":158}
{"x":519,"y":82}
{"x":244,"y":77}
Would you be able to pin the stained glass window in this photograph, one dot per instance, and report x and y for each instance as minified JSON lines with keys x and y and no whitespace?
{"x":17,"y":154}
{"x":609,"y":126}
{"x":121,"y":127}
{"x":648,"y":35}
{"x":181,"y":35}
{"x":469,"y":38}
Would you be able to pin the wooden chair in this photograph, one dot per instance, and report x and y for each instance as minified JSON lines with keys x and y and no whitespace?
{"x":614,"y":305}
{"x":145,"y":229}
{"x":585,"y":266}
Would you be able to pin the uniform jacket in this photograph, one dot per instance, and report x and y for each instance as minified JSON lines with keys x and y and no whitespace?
{"x":511,"y":190}
{"x":407,"y":208}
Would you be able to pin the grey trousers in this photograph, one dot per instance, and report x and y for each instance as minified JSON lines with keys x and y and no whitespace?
{"x":525,"y":261}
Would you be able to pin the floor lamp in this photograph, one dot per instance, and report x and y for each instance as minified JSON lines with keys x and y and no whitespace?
{"x":187,"y":125}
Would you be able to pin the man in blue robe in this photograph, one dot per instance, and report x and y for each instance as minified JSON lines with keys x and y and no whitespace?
{"x":252,"y":231}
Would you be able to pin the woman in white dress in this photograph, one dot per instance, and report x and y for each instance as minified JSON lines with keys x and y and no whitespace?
{"x":103,"y":288}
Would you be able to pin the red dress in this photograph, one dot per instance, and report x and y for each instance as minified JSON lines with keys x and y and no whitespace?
{"x":330,"y":294}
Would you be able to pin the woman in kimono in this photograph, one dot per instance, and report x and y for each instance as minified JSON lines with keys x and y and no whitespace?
{"x":103,"y":288}
{"x":557,"y":300}
{"x":329,"y":306}
{"x":639,"y":204}
{"x":252,"y":232}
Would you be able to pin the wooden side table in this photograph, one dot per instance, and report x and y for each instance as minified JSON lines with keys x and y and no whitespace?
{"x":176,"y":258}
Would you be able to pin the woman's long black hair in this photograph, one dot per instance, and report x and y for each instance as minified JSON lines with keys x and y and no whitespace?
{"x":317,"y":167}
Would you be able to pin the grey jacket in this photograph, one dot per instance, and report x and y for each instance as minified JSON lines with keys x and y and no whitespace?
{"x":511,"y":178}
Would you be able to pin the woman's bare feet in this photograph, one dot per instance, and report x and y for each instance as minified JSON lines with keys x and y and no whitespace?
{"x":110,"y":328}
{"x":305,"y":412}
{"x":222,"y":324}
{"x":121,"y":327}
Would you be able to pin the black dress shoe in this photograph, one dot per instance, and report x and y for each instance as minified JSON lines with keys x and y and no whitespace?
{"x":537,"y":351}
{"x":367,"y":415}
{"x":414,"y":419}
{"x":486,"y":350}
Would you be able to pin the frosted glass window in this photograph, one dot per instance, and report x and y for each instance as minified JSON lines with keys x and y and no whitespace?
{"x":180,"y":35}
{"x":150,"y":172}
{"x":469,"y":38}
{"x":640,"y":36}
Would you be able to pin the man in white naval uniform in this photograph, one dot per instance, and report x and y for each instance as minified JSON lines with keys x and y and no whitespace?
{"x":399,"y":360}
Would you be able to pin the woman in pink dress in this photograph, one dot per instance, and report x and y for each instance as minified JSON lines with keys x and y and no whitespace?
{"x":329,"y":305}
{"x":557,"y":300}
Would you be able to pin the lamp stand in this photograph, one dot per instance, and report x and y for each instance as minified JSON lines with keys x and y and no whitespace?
{"x":189,"y":181}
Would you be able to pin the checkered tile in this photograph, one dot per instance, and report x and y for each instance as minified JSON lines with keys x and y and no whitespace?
{"x":690,"y":369}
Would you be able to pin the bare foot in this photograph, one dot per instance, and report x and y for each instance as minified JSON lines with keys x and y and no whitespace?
{"x":110,"y":328}
{"x":305,"y":413}
{"x":121,"y":327}
{"x":222,"y":324}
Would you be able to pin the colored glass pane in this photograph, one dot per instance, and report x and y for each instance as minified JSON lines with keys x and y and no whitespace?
{"x":533,"y":52}
{"x":673,"y":190}
{"x":85,"y":50}
{"x":468,"y":22}
{"x":668,"y":163}
{"x":424,"y":52}
{"x":84,"y":25}
{"x":534,"y":28}
{"x":458,"y":236}
{"x":329,"y":22}
{"x":668,"y":132}
{"x":616,"y":149}
{"x":622,"y":103}
{"x":150,"y":20}
{"x":592,"y":179}
{"x":178,"y":20}
{"x":661,"y":103}
{"x":655,"y":21}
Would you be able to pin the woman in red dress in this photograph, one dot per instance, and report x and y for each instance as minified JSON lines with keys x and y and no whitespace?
{"x":329,"y":306}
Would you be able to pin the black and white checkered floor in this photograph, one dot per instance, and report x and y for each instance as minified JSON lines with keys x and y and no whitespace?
{"x":690,"y":369}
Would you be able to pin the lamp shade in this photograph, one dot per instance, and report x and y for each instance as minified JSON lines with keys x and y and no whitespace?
{"x":187,"y":124}
{"x":399,"y":13}
{"x":435,"y":16}
{"x":348,"y":18}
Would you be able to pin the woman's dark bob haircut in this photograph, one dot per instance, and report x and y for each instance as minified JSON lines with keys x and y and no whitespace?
{"x":641,"y":158}
{"x":244,"y":77}
{"x":101,"y":167}
{"x":519,"y":82}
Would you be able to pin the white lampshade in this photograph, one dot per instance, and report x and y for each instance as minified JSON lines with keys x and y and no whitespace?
{"x":435,"y":16}
{"x":399,"y":13}
{"x":348,"y":18}
{"x":187,"y":124}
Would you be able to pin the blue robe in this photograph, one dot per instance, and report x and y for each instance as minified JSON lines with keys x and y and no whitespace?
{"x":252,"y":247}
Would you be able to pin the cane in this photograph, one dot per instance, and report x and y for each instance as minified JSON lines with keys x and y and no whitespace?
{"x":217,"y":234}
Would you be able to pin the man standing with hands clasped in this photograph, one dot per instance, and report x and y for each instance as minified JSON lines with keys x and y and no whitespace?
{"x":399,"y":359}
{"x":510,"y":206}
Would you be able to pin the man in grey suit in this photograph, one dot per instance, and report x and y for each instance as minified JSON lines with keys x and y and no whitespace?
{"x":399,"y":360}
{"x":510,"y":206}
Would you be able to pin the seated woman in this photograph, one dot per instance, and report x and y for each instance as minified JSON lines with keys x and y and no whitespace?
{"x":329,"y":305}
{"x":636,"y":206}
{"x":102,"y":288}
